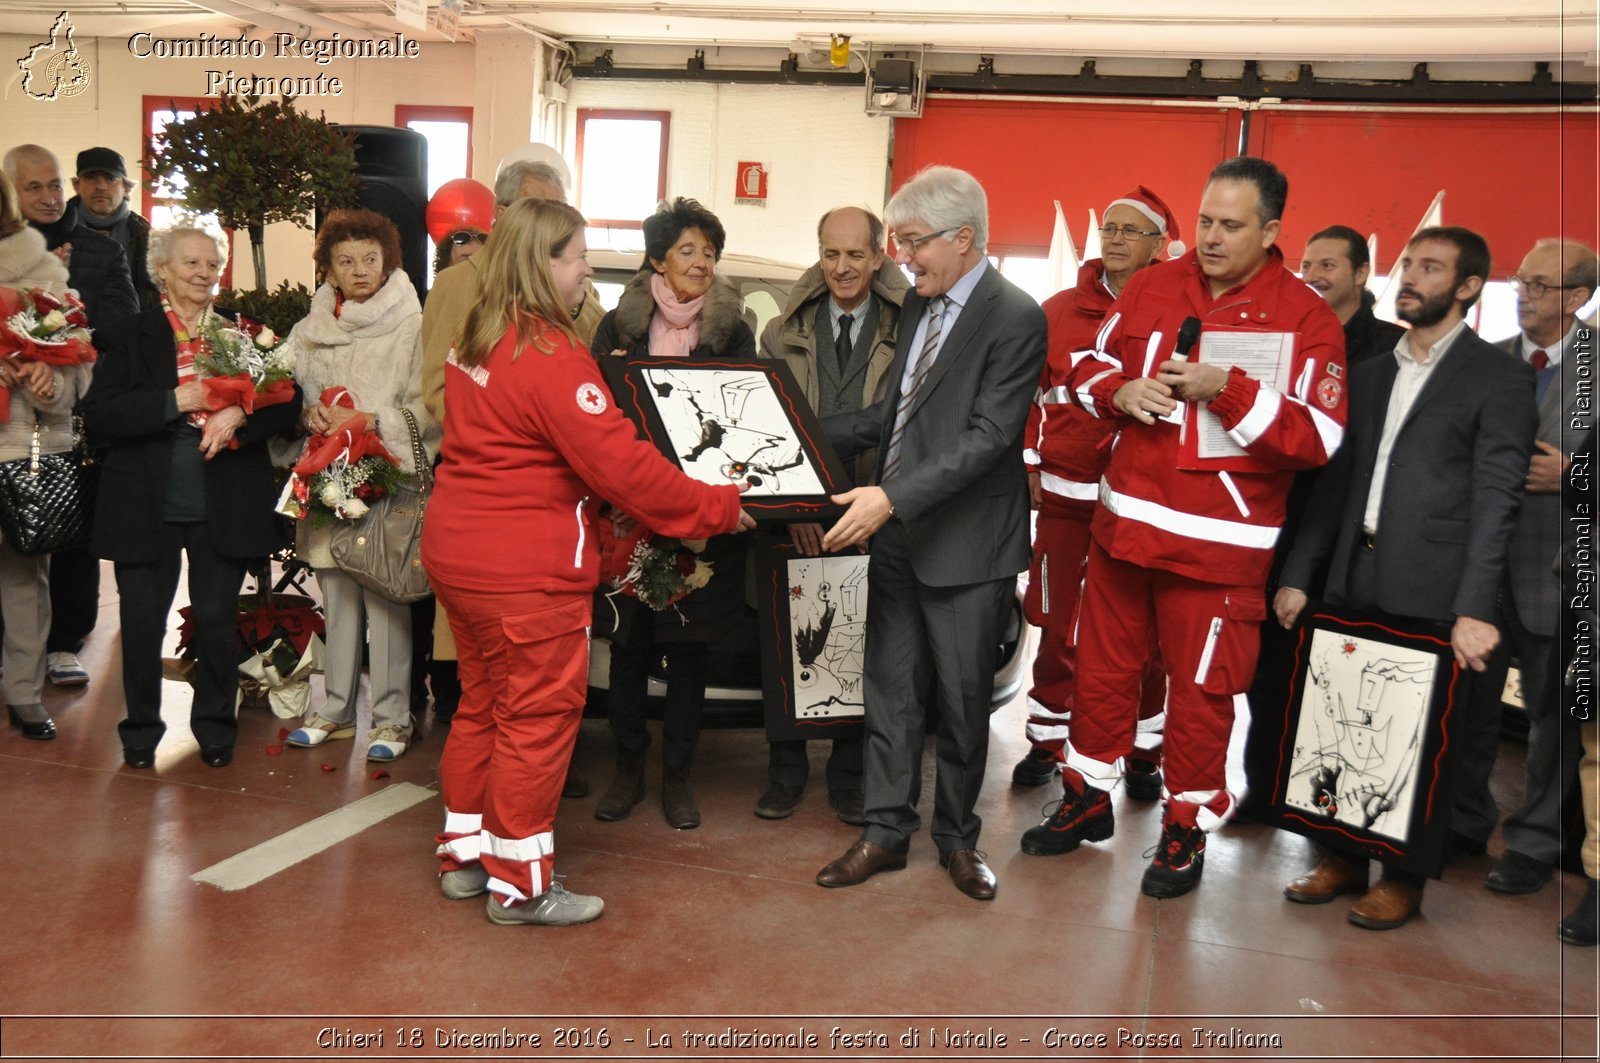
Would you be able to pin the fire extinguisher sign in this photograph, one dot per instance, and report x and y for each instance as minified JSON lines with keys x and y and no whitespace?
{"x":751,"y":185}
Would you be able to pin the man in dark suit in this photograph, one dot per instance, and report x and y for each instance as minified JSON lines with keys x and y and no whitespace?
{"x":1556,"y":279}
{"x":948,"y":523}
{"x":1415,"y":512}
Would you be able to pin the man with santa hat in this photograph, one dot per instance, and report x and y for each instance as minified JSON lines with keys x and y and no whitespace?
{"x":1067,"y":451}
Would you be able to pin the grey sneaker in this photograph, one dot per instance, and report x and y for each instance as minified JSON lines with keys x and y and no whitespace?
{"x":554,"y":907}
{"x":464,"y":883}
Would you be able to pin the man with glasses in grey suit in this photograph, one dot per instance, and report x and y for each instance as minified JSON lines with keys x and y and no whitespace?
{"x":947,"y":521}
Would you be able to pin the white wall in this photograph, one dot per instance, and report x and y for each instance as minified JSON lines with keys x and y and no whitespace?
{"x":819,"y":147}
{"x":110,"y":112}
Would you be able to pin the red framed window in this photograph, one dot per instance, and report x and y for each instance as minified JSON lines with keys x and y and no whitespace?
{"x":448,"y":131}
{"x":165,"y":199}
{"x":617,"y":185}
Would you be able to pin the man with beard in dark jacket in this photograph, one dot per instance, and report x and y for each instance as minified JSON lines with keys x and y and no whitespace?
{"x":97,"y":268}
{"x":102,"y":204}
{"x":1336,"y":263}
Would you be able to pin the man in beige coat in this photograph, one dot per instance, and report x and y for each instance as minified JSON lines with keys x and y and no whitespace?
{"x":837,"y":335}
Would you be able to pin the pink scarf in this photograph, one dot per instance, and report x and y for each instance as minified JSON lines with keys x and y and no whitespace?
{"x":675,"y":326}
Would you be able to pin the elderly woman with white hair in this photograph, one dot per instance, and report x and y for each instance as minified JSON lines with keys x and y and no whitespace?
{"x":179,"y":478}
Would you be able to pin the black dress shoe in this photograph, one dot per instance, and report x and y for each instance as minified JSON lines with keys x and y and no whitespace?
{"x":574,"y":786}
{"x":1517,"y":873}
{"x":860,"y":862}
{"x":217,"y":756}
{"x":780,"y":801}
{"x":849,"y":806}
{"x":1579,"y":926}
{"x":35,"y":724}
{"x":970,"y":874}
{"x":139,"y":756}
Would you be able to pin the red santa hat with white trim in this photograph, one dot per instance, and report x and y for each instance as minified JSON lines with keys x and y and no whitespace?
{"x":1153,"y":207}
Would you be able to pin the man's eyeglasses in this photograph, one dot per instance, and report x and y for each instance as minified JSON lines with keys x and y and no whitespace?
{"x":1535,"y":289}
{"x":912,"y":244}
{"x":1127,"y":232}
{"x":467,"y":236}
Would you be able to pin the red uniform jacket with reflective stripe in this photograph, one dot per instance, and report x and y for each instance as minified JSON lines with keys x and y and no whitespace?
{"x":1216,"y":527}
{"x":1069,"y":447}
{"x":533,"y":446}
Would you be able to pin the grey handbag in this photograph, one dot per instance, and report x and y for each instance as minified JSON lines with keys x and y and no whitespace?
{"x":382,"y":549}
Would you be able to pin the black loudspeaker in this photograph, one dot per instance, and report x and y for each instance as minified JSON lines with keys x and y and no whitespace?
{"x":392,"y":175}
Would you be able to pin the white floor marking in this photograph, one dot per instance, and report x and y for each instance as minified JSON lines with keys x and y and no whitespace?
{"x":307,"y":840}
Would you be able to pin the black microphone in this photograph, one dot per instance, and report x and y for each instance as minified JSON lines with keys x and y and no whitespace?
{"x":1188,"y":333}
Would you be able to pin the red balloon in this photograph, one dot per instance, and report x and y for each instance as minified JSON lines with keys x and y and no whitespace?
{"x":460,"y":204}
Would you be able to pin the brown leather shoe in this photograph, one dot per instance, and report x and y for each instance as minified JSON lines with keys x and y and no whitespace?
{"x":1387,"y":905}
{"x":970,"y":874}
{"x":1332,"y":875}
{"x":860,"y":862}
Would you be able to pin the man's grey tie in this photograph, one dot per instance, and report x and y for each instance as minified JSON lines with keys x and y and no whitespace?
{"x":919,"y":373}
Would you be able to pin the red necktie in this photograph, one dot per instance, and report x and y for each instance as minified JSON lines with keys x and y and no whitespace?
{"x":1539,"y":360}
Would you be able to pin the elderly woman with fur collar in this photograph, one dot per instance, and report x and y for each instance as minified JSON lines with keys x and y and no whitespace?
{"x":674,"y":307}
{"x":363,"y":337}
{"x":36,"y":392}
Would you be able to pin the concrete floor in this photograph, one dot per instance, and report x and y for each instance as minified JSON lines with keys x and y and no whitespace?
{"x":352,"y":953}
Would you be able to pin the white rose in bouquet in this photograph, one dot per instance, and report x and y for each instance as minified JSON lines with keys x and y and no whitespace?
{"x":331,"y":495}
{"x":354,"y":509}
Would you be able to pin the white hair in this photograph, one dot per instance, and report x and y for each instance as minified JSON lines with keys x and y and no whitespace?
{"x":942,"y":197}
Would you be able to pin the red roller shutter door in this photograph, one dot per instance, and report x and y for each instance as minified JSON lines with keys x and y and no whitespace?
{"x":1512,"y":176}
{"x":1028,"y":154}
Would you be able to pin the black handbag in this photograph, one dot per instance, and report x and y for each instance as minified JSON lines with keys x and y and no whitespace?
{"x":382,"y":549}
{"x":47,"y":500}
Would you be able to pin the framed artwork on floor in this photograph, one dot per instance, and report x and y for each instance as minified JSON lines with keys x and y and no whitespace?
{"x":727,"y":421}
{"x":813,"y":634}
{"x":1364,"y":754}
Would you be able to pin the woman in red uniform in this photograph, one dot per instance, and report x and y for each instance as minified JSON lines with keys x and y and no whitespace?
{"x":535,"y":444}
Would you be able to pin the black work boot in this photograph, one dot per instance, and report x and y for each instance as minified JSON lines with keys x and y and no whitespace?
{"x":626,"y":789}
{"x":677,"y":803}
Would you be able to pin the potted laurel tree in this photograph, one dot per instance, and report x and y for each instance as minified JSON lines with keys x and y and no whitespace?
{"x":252,"y":162}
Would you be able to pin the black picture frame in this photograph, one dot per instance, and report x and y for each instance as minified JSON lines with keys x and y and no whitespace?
{"x":1368,"y":734}
{"x":630,"y":381}
{"x":830,"y":701}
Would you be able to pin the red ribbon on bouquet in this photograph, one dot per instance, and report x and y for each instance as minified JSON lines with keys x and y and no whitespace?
{"x":354,"y":440}
{"x":26,"y":348}
{"x":240,"y":390}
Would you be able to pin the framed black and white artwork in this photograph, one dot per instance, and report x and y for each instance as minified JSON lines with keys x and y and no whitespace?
{"x":1367,"y":737}
{"x":734,"y":422}
{"x":813,"y":635}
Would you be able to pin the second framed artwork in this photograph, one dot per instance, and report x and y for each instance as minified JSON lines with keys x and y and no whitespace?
{"x":1363,"y":761}
{"x":727,"y":421}
{"x":813,"y":632}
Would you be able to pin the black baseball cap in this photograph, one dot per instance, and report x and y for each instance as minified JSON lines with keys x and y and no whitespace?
{"x":101,"y":160}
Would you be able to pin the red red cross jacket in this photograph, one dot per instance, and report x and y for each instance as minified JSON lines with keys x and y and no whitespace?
{"x":1210,"y":525}
{"x":1067,"y":447}
{"x":533,"y":446}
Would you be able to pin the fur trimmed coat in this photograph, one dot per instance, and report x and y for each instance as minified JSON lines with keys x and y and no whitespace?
{"x":707,"y":614}
{"x":724,"y":333}
{"x":374,"y":350}
{"x":25,"y":262}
